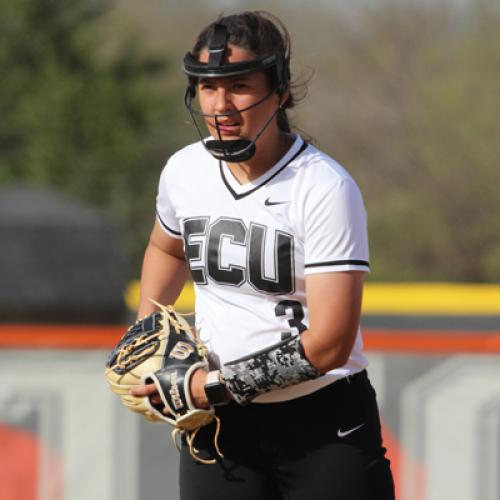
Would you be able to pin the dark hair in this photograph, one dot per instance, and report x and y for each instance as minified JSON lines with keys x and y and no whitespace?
{"x":262,"y":34}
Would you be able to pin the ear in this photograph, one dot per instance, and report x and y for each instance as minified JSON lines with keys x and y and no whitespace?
{"x":285,"y":95}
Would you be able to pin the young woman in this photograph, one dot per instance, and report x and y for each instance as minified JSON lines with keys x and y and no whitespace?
{"x":273,"y":233}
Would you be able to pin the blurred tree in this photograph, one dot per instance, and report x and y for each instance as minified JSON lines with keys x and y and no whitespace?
{"x":458,"y":148}
{"x":408,"y":100}
{"x":89,"y":123}
{"x":405,"y":95}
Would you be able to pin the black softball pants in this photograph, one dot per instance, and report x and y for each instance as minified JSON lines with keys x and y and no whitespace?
{"x":326,"y":445}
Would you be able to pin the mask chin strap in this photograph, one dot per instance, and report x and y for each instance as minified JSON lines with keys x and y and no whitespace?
{"x":232,"y":151}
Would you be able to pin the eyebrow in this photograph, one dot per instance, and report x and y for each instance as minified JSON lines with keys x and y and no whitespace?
{"x":234,"y":78}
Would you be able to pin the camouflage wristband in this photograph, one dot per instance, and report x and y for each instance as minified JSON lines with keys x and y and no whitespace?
{"x":275,"y":367}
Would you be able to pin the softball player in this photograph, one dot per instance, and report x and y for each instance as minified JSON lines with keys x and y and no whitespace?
{"x":273,"y":233}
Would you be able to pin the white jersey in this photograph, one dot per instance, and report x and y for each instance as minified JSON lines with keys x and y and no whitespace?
{"x":250,"y":247}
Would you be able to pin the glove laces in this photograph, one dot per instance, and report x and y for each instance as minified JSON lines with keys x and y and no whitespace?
{"x":190,"y":437}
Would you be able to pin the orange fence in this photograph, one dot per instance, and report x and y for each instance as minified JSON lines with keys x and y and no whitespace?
{"x":26,"y":336}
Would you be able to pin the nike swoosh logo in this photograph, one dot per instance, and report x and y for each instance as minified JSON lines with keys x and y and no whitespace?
{"x":342,"y":434}
{"x":269,"y":203}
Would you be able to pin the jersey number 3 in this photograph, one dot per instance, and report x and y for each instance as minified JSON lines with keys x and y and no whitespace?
{"x":204,"y":245}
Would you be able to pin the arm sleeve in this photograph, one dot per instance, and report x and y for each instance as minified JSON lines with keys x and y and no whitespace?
{"x":165,"y":210}
{"x":336,"y":230}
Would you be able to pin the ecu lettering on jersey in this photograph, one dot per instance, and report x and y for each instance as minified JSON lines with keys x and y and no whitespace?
{"x":247,"y":264}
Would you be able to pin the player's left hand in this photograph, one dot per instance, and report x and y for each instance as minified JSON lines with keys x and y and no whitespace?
{"x":197,"y":389}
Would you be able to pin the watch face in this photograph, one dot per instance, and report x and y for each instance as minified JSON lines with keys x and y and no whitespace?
{"x":216,"y":394}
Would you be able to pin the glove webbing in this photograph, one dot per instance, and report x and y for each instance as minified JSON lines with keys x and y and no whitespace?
{"x":171,"y":313}
{"x":124,"y":357}
{"x":190,"y":436}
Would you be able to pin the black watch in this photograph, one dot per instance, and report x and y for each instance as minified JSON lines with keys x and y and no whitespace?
{"x":215,"y":390}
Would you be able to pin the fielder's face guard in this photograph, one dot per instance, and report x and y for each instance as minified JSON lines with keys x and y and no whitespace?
{"x":230,"y":150}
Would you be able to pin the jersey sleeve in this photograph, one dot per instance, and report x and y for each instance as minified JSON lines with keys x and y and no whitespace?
{"x":335,"y":233}
{"x":165,"y":210}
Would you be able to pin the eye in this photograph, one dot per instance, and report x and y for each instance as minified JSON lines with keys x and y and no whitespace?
{"x":240,"y":86}
{"x":206,"y":85}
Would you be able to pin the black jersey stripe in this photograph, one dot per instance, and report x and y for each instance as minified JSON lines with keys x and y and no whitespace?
{"x":169,"y":229}
{"x":237,"y":196}
{"x":352,"y":262}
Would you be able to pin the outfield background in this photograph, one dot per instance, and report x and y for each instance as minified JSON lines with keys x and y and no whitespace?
{"x":436,"y":371}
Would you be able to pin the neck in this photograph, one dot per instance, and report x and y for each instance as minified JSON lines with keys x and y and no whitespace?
{"x":269,"y":152}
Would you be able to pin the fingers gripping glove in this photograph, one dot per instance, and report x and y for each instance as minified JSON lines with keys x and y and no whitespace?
{"x":163,"y":350}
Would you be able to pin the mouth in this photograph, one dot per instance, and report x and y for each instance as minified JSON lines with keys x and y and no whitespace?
{"x":227,"y":128}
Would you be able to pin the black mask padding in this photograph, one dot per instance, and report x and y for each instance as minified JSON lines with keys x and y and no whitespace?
{"x":217,"y":46}
{"x":231,"y":151}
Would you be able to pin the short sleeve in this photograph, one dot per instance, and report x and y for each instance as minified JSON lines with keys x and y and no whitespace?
{"x":165,"y":210}
{"x":335,"y":230}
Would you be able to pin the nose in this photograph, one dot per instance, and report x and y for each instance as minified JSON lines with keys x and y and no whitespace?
{"x":223,"y":102}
